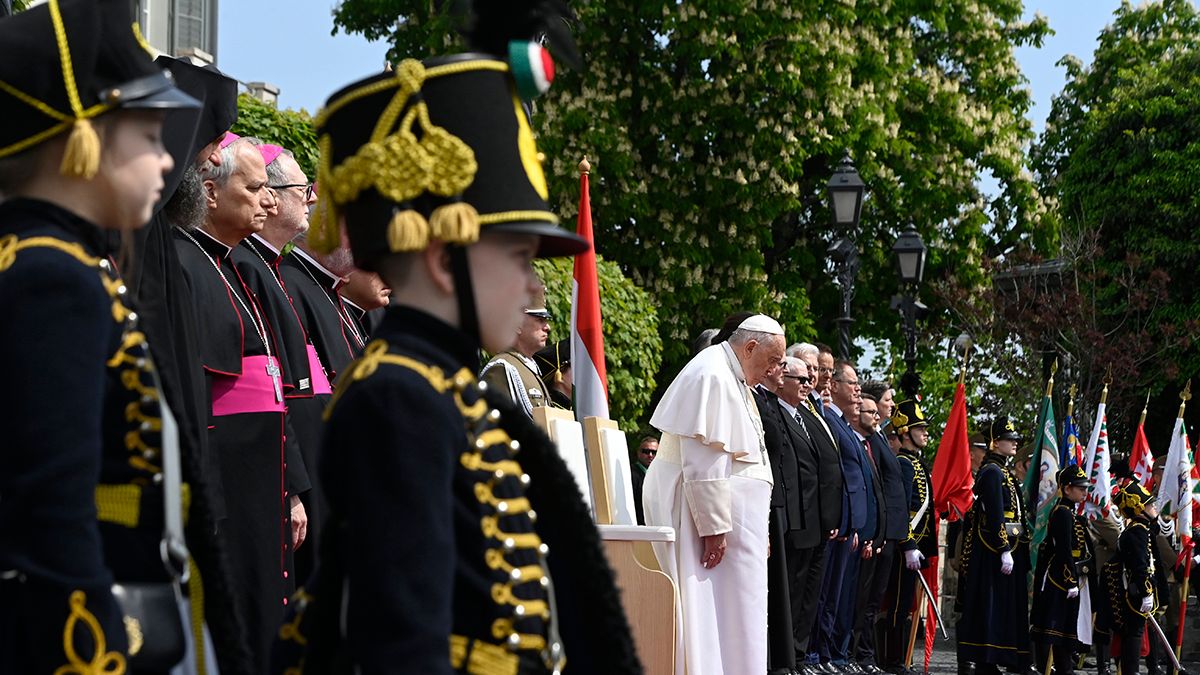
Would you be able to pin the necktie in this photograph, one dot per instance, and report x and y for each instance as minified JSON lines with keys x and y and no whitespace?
{"x":803,"y":429}
{"x":867,"y":445}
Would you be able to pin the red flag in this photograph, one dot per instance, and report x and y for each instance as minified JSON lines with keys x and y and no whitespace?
{"x":587,"y":338}
{"x":931,"y":577}
{"x":952,"y":479}
{"x":1141,"y":460}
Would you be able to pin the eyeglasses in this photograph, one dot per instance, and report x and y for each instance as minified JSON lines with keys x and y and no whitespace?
{"x":852,"y":383}
{"x":802,"y":379}
{"x":873,"y":413}
{"x":647,"y":451}
{"x":826,"y":371}
{"x":309,"y":189}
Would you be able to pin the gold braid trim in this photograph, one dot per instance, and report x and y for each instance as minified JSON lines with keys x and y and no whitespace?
{"x":399,"y":167}
{"x":102,"y":661}
{"x":10,"y":246}
{"x":485,"y":658}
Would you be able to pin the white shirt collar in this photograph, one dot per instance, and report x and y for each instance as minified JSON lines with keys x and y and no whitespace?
{"x":787,"y":407}
{"x":262,"y":240}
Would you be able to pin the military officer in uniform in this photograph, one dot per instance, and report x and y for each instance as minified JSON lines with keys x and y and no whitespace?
{"x":1133,"y":578}
{"x":911,"y":427}
{"x":514,"y":372}
{"x":994,"y":628}
{"x":1065,"y":559}
{"x":81,"y":158}
{"x":554,"y":362}
{"x":450,"y":544}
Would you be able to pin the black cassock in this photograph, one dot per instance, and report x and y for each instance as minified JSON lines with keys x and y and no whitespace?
{"x":336,"y":337}
{"x":246,"y":432}
{"x":994,"y":627}
{"x":308,"y":386}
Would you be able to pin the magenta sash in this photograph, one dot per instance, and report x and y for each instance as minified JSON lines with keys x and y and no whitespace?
{"x":320,"y":381}
{"x":252,"y":392}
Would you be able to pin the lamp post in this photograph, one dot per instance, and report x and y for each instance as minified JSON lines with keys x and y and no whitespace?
{"x":845,"y":200}
{"x":910,"y":269}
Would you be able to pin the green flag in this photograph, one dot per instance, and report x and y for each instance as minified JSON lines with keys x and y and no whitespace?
{"x":1041,"y":481}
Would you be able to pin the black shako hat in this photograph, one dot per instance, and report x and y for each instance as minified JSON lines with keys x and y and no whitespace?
{"x":908,"y":415}
{"x":67,"y":62}
{"x":1072,"y":475}
{"x":1003,"y":429}
{"x":553,"y":359}
{"x":439,"y":149}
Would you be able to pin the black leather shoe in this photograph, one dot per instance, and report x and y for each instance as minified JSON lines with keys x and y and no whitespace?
{"x":829,"y":669}
{"x":871,"y":669}
{"x":853,"y":668}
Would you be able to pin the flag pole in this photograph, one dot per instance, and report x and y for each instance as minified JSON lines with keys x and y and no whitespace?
{"x":1184,"y":397}
{"x":1145,"y":405}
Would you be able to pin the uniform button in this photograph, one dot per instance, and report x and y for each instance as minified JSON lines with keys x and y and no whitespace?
{"x":502,"y":507}
{"x":158,"y":479}
{"x":499,"y":474}
{"x":285,"y":574}
{"x":285,"y":601}
{"x":514,"y":641}
{"x":545,"y":582}
{"x":525,"y":479}
{"x":493,"y":415}
{"x":519,"y":610}
{"x":509,"y":544}
{"x":122,"y":290}
{"x":532,"y":516}
{"x":544,"y":549}
{"x":481,"y":386}
{"x":515,"y":574}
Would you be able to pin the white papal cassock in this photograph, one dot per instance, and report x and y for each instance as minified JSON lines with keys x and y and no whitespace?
{"x":711,"y":476}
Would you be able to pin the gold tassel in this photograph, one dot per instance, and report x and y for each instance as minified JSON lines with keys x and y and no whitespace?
{"x":82,"y":157}
{"x":408,"y":231}
{"x":455,"y":223}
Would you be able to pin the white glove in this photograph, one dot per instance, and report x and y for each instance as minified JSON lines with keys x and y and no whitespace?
{"x":1006,"y":563}
{"x":1196,"y":561}
{"x":912,"y":559}
{"x":1072,"y":592}
{"x":1147,"y":604}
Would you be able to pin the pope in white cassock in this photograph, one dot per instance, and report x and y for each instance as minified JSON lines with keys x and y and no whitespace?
{"x":711,"y":481}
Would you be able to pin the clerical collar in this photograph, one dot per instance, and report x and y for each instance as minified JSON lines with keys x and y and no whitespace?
{"x":210,"y":244}
{"x":260,"y":242}
{"x":331,"y":280}
{"x":734,"y":364}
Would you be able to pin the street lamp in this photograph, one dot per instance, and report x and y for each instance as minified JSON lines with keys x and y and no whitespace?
{"x":846,"y":191}
{"x":910,"y":268}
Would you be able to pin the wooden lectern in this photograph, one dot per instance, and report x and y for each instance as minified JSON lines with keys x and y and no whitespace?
{"x":602,"y":472}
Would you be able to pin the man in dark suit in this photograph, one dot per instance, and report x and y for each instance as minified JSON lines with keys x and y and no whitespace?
{"x":780,"y":652}
{"x":815,"y":496}
{"x":835,"y":618}
{"x":873,"y":579}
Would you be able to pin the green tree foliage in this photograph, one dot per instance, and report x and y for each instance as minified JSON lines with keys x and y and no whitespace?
{"x":1119,"y":155}
{"x":632,"y":346}
{"x":713,"y":127}
{"x":290,"y":129}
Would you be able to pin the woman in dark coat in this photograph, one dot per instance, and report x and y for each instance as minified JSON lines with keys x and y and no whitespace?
{"x":994,"y":628}
{"x":1064,"y":560}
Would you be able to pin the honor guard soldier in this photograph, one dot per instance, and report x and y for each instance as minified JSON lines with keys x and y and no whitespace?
{"x":554,"y":362}
{"x":911,"y":427}
{"x":993,"y":630}
{"x":1133,"y":577}
{"x":514,"y":372}
{"x":1065,"y":560}
{"x":454,"y":542}
{"x":81,"y":158}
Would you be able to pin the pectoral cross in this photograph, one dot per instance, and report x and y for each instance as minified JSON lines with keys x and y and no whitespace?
{"x":273,"y":371}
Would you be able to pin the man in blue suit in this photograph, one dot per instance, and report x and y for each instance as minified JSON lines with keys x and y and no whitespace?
{"x":835,"y":617}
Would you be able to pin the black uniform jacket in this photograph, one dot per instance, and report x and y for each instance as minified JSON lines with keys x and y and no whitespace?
{"x":61,"y":325}
{"x":455,"y":536}
{"x":918,"y":491}
{"x":895,"y":499}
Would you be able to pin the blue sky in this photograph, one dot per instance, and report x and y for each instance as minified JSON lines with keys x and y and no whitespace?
{"x":288,"y":43}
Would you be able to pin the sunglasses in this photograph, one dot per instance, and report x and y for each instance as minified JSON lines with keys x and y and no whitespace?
{"x":647,"y":451}
{"x":802,"y":379}
{"x":309,"y":189}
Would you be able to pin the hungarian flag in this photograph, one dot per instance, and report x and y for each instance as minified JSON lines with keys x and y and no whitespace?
{"x":1042,"y":482}
{"x":1098,"y":463}
{"x":587,"y":337}
{"x":1141,"y":460}
{"x":952,"y":479}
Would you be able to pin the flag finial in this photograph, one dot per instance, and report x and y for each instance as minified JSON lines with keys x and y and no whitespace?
{"x":1185,"y":396}
{"x":1050,"y":382}
{"x":1071,"y":400}
{"x":1144,"y":407}
{"x":966,"y":359}
{"x":585,"y":166}
{"x":1107,"y":381}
